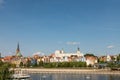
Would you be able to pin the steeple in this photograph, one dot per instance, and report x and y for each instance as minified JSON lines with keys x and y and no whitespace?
{"x":18,"y":54}
{"x":78,"y":50}
{"x":62,"y":51}
{"x":18,"y":49}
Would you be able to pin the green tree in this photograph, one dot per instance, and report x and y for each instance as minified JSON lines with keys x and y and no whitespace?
{"x":118,"y":58}
{"x":28,"y":64}
{"x":41,"y":64}
{"x":5,"y":73}
{"x":89,"y":54}
{"x":21,"y":64}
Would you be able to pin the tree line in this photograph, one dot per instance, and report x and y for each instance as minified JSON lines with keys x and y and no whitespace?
{"x":55,"y":64}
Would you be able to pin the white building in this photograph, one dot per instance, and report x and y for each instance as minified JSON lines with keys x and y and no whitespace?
{"x":91,"y":60}
{"x":109,"y":58}
{"x":61,"y":56}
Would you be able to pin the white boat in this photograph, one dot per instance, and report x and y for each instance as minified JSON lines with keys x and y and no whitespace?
{"x":88,"y":77}
{"x":21,"y":76}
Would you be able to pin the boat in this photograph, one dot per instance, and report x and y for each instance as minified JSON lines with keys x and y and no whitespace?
{"x":21,"y":76}
{"x":87,"y":77}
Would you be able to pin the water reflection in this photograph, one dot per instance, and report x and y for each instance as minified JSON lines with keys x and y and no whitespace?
{"x":64,"y":76}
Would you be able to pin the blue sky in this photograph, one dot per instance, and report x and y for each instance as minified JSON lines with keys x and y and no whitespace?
{"x":49,"y":25}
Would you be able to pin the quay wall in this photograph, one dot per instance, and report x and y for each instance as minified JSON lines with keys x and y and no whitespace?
{"x":74,"y":71}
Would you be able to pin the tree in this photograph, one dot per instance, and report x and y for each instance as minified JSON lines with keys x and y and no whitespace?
{"x":118,"y":58}
{"x":5,"y":73}
{"x":41,"y":63}
{"x":28,"y":64}
{"x":89,"y":54}
{"x":21,"y":64}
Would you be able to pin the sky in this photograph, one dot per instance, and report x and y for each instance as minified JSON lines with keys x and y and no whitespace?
{"x":48,"y":25}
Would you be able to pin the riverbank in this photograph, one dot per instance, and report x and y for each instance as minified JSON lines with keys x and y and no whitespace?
{"x":74,"y":71}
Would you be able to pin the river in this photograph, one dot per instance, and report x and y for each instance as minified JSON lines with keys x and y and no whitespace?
{"x":69,"y":76}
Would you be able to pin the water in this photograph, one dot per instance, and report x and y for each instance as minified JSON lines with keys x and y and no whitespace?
{"x":66,"y":76}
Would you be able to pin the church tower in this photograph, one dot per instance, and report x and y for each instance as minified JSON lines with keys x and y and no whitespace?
{"x":18,"y":53}
{"x":78,"y":50}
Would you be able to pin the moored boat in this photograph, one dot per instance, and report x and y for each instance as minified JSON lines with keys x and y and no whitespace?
{"x":20,"y":77}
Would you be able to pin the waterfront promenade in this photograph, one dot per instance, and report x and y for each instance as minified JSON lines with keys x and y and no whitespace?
{"x":74,"y":71}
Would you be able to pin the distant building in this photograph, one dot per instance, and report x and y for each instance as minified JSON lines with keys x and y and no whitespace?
{"x":91,"y":60}
{"x":61,"y":56}
{"x":111,"y":58}
{"x":108,"y":58}
{"x":103,"y":58}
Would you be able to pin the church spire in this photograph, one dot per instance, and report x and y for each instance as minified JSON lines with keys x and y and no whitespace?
{"x":18,"y":54}
{"x":78,"y":50}
{"x":18,"y":49}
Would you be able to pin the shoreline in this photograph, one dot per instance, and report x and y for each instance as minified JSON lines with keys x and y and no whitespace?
{"x":70,"y":71}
